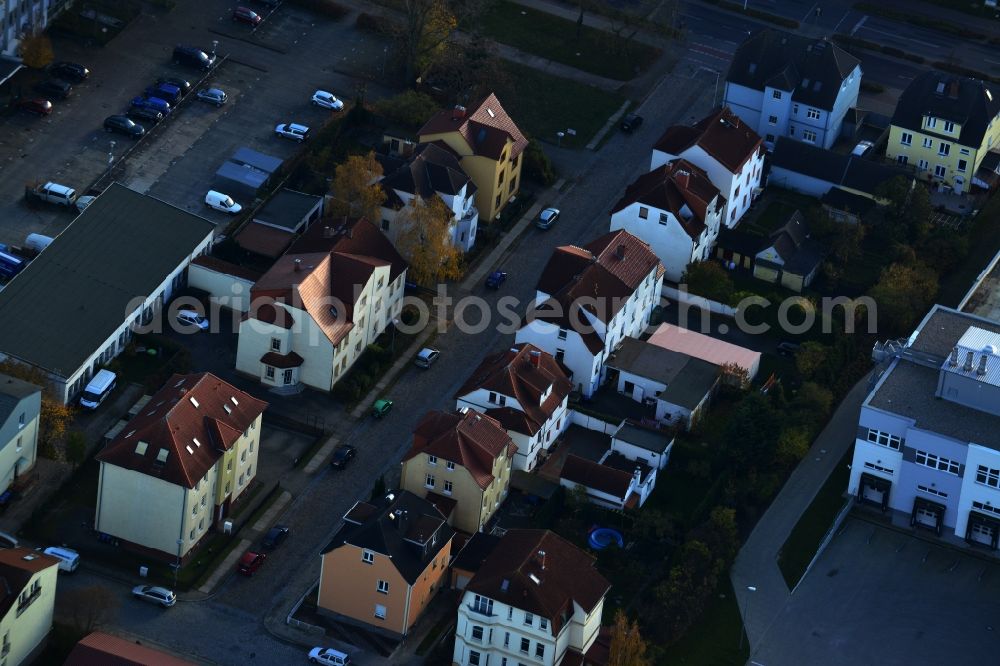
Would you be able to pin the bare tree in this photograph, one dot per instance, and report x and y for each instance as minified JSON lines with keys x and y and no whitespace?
{"x":88,"y":608}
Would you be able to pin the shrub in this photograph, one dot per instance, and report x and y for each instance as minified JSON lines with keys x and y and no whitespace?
{"x":410,"y":109}
{"x":327,"y":8}
{"x":537,"y":165}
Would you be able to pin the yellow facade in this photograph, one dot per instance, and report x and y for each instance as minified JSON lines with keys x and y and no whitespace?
{"x":29,"y":620}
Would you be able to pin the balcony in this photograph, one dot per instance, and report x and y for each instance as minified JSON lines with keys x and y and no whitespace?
{"x":485,"y":610}
{"x":24,"y":602}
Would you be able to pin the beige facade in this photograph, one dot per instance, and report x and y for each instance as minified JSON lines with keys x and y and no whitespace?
{"x":28,"y":620}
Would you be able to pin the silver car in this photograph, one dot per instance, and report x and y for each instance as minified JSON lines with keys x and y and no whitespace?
{"x":213,"y":96}
{"x":292,"y":131}
{"x":156,"y":595}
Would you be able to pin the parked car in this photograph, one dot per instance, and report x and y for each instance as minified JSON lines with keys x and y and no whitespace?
{"x":342,"y":455}
{"x":246,"y":15}
{"x":50,"y":192}
{"x":123,"y":125}
{"x":155,"y":594}
{"x":69,"y":559}
{"x":83,"y":202}
{"x":862,"y":148}
{"x":250,"y":563}
{"x":547,"y":218}
{"x":381,"y":408}
{"x":98,"y":389}
{"x":190,"y":318}
{"x":144,"y":113}
{"x":292,"y":131}
{"x":54,"y":88}
{"x":156,"y":103}
{"x":213,"y":96}
{"x":193,"y":57}
{"x":631,"y":122}
{"x":165,"y":91}
{"x":426,"y":357}
{"x":275,"y":537}
{"x":182,"y":84}
{"x":36,"y":105}
{"x":495,"y":279}
{"x":329,"y":657}
{"x":787,"y":348}
{"x":223,"y":202}
{"x":69,"y":71}
{"x":326,"y":100}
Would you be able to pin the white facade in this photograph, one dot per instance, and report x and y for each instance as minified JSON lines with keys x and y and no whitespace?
{"x":19,"y":438}
{"x":641,"y":389}
{"x":228,"y":291}
{"x":20,"y":19}
{"x":465,"y":216}
{"x":642,"y":488}
{"x":29,"y":619}
{"x":657,"y":461}
{"x":490,"y":632}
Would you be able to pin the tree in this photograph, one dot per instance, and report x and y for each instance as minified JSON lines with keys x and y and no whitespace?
{"x":469,"y":71}
{"x":810,"y":358}
{"x":379,"y":489}
{"x":752,"y":431}
{"x":410,"y":109}
{"x":720,"y":535}
{"x":685,"y":593}
{"x":55,"y":417}
{"x":734,"y":374}
{"x":76,"y":448}
{"x":847,"y":240}
{"x":710,"y":280}
{"x":793,"y":445}
{"x":813,"y":400}
{"x":425,"y":240}
{"x":88,"y":608}
{"x":426,"y":26}
{"x":902,"y":294}
{"x":537,"y":165}
{"x":36,"y":51}
{"x":627,"y":646}
{"x":908,"y":211}
{"x":356,"y":192}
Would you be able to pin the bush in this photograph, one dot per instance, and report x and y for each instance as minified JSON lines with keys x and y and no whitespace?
{"x":410,"y":109}
{"x":537,"y":165}
{"x":327,"y":8}
{"x":369,"y":23}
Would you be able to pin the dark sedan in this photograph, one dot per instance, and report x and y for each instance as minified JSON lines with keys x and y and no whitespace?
{"x":145,"y":114}
{"x":69,"y":71}
{"x":53,"y":88}
{"x":343,"y":455}
{"x":123,"y":125}
{"x":275,"y":537}
{"x":631,"y":122}
{"x":495,"y":279}
{"x":181,"y":84}
{"x":40,"y":107}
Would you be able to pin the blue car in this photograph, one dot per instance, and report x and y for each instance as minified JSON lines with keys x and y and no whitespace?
{"x":495,"y":279}
{"x":152,"y":103}
{"x":165,"y":91}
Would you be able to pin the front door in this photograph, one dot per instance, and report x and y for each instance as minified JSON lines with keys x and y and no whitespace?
{"x":288,"y":377}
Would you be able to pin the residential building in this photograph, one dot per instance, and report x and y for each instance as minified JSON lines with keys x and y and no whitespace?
{"x":945,"y":125}
{"x":178,"y":466}
{"x":20,"y":411}
{"x":527,"y":391}
{"x":430,"y":170}
{"x":20,"y":20}
{"x":101,"y":649}
{"x":315,"y":311}
{"x":705,"y":347}
{"x":536,"y":598}
{"x":111,"y":270}
{"x":927,"y":446}
{"x":677,"y":210}
{"x":789,"y":256}
{"x":471,"y":557}
{"x":27,"y":600}
{"x":488,"y":146}
{"x":729,"y":151}
{"x":814,"y":171}
{"x":385,"y":563}
{"x":678,"y":387}
{"x":613,"y":482}
{"x":460,"y":461}
{"x":589,"y":299}
{"x":644,"y":445}
{"x":789,"y":85}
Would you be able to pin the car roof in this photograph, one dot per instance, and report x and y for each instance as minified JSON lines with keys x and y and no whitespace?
{"x":549,"y":211}
{"x":382,"y":401}
{"x":296,"y":126}
{"x":427,"y":351}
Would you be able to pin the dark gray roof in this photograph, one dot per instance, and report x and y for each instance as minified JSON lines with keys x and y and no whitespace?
{"x":693,"y":384}
{"x":73,"y":296}
{"x":411,"y":543}
{"x":840,"y":199}
{"x":427,"y":170}
{"x":476,"y":549}
{"x":231,"y":171}
{"x":799,"y":253}
{"x":287,"y":209}
{"x":644,"y":438}
{"x":742,"y":242}
{"x":846,"y":170}
{"x":650,"y":361}
{"x":966,"y":102}
{"x":248,"y":157}
{"x":12,"y":392}
{"x":942,"y":328}
{"x":812,"y":69}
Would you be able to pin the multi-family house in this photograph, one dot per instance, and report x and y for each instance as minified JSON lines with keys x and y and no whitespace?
{"x":178,"y":465}
{"x":944,"y":126}
{"x":782,"y":84}
{"x":386,"y":563}
{"x":315,"y":311}
{"x":677,"y":210}
{"x":535,"y":599}
{"x":461,"y":462}
{"x":20,"y":410}
{"x":429,"y":171}
{"x":101,"y":649}
{"x":27,"y":601}
{"x":927,"y":446}
{"x":789,"y":257}
{"x":487,"y":144}
{"x":589,"y":299}
{"x":728,"y":150}
{"x":527,"y":391}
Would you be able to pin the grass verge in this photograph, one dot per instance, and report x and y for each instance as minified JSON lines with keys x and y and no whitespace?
{"x":560,"y":40}
{"x":716,"y":639}
{"x":802,"y":544}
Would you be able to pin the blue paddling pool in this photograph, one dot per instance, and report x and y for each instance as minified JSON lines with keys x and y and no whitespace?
{"x":602,"y":537}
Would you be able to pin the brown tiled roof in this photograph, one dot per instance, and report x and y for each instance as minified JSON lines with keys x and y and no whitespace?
{"x":467,"y":438}
{"x":510,"y":572}
{"x":486,"y":129}
{"x":671,"y":187}
{"x":594,"y":475}
{"x":100,"y":649}
{"x":263,"y":239}
{"x":358,"y":236}
{"x":442,"y":503}
{"x":172,"y":422}
{"x":721,"y":134}
{"x":271,"y":314}
{"x":221,"y":266}
{"x":289,"y":360}
{"x":513,"y":373}
{"x":16,"y":572}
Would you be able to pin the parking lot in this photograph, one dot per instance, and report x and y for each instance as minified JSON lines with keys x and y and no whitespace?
{"x":265,"y":75}
{"x":878,"y":596}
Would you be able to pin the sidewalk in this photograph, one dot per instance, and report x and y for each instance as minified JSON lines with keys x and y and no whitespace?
{"x":591,"y":19}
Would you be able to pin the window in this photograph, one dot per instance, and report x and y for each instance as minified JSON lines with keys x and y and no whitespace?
{"x":432,"y":460}
{"x":380,"y":611}
{"x":500,"y":179}
{"x":20,"y":420}
{"x":809,"y":136}
{"x":906,"y":139}
{"x":276,"y":344}
{"x":795,"y":109}
{"x":932,"y":491}
{"x":483,"y":605}
{"x":776,"y":94}
{"x":525,"y":645}
{"x":985,"y":507}
{"x":937,"y":462}
{"x":949,"y":126}
{"x":18,"y":444}
{"x":988,"y":476}
{"x":383,"y":586}
{"x":962,"y":165}
{"x":497,"y":202}
{"x":191,"y":536}
{"x":643,"y":212}
{"x":902,"y":160}
{"x":928,"y":142}
{"x":922,"y":165}
{"x":429,"y":481}
{"x":944,"y":149}
{"x":543,"y":624}
{"x":513,"y":185}
{"x":450,"y":466}
{"x":243,"y":457}
{"x":477,"y":633}
{"x":932,"y":122}
{"x":885,"y":439}
{"x":539,"y":651}
{"x":878,"y":468}
{"x":367,"y":556}
{"x":473,"y":658}
{"x":769,"y":138}
{"x":269,"y":371}
{"x":562,"y":334}
{"x":664,"y":218}
{"x":240,"y":481}
{"x":772,"y":120}
{"x":204,"y":500}
{"x":964,"y":151}
{"x":510,"y":613}
{"x":529,"y":619}
{"x":447,"y":487}
{"x":940,"y":171}
{"x":201,"y":524}
{"x":812,"y":114}
{"x":560,"y":354}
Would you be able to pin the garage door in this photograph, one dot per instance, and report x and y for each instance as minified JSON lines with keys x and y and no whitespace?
{"x":872,"y":495}
{"x":981,"y":534}
{"x":926,"y":517}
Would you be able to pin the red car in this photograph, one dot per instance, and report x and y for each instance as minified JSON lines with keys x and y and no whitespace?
{"x":250,"y":562}
{"x":246,"y":15}
{"x":38,"y":106}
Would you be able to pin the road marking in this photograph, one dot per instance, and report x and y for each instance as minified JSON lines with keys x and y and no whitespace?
{"x":810,"y":12}
{"x":857,"y":26}
{"x":842,"y":19}
{"x":909,"y":39}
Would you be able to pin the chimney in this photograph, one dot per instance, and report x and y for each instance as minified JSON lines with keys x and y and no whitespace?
{"x":620,"y":252}
{"x":536,"y":358}
{"x":541,"y":559}
{"x":327,"y":232}
{"x":298,"y":265}
{"x":682,"y":178}
{"x":402,"y":520}
{"x":458,"y":113}
{"x":981,"y":370}
{"x":968,"y":362}
{"x":953,"y":359}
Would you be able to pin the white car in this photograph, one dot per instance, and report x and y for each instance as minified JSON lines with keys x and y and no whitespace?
{"x":192,"y":318}
{"x":329,"y":657}
{"x":327,"y":100}
{"x":426,"y":357}
{"x":292,"y":131}
{"x":84,"y":201}
{"x":212,"y":96}
{"x":156,"y":595}
{"x":223,"y":202}
{"x":862,"y":148}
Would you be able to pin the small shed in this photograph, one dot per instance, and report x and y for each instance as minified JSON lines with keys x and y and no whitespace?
{"x":290,"y":210}
{"x":244,"y":174}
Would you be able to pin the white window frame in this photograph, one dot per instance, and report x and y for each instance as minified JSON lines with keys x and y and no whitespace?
{"x":937,"y":462}
{"x":894,"y":442}
{"x":368,"y":556}
{"x":988,"y":476}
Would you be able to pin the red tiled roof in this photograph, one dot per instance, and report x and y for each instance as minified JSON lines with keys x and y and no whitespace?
{"x":221,"y":266}
{"x":264,"y":239}
{"x":358,"y":237}
{"x":17,"y":567}
{"x":100,"y":649}
{"x":486,"y":129}
{"x":594,"y":475}
{"x":470,"y":439}
{"x":442,"y":503}
{"x":513,"y":373}
{"x":514,"y":574}
{"x":670,"y":188}
{"x":172,"y":422}
{"x":270,"y":314}
{"x":289,"y":360}
{"x":723,"y":135}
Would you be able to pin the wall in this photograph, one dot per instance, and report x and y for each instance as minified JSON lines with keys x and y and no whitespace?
{"x":497,"y":630}
{"x":594,"y":423}
{"x":27,"y":630}
{"x":674,"y":294}
{"x":433,"y":578}
{"x":348,"y":587}
{"x":19,"y":442}
{"x":669,"y":241}
{"x":154,"y":522}
{"x":745,"y":103}
{"x":972,"y":491}
{"x":226,"y":290}
{"x":657,"y":461}
{"x":578,"y":358}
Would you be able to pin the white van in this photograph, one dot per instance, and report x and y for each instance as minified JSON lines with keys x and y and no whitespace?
{"x":98,"y":389}
{"x":223,"y":202}
{"x":37,"y":242}
{"x":69,"y":560}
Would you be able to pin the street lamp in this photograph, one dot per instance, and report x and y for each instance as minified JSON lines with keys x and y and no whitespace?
{"x":177,"y":567}
{"x":215,"y":45}
{"x":746,"y":613}
{"x":385,"y":54}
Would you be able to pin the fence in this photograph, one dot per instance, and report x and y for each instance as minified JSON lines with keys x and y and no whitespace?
{"x":593,"y":422}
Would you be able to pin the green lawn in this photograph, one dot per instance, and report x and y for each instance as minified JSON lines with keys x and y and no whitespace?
{"x":555,"y":38}
{"x":545,"y":104}
{"x":715,"y":639}
{"x":803,"y":542}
